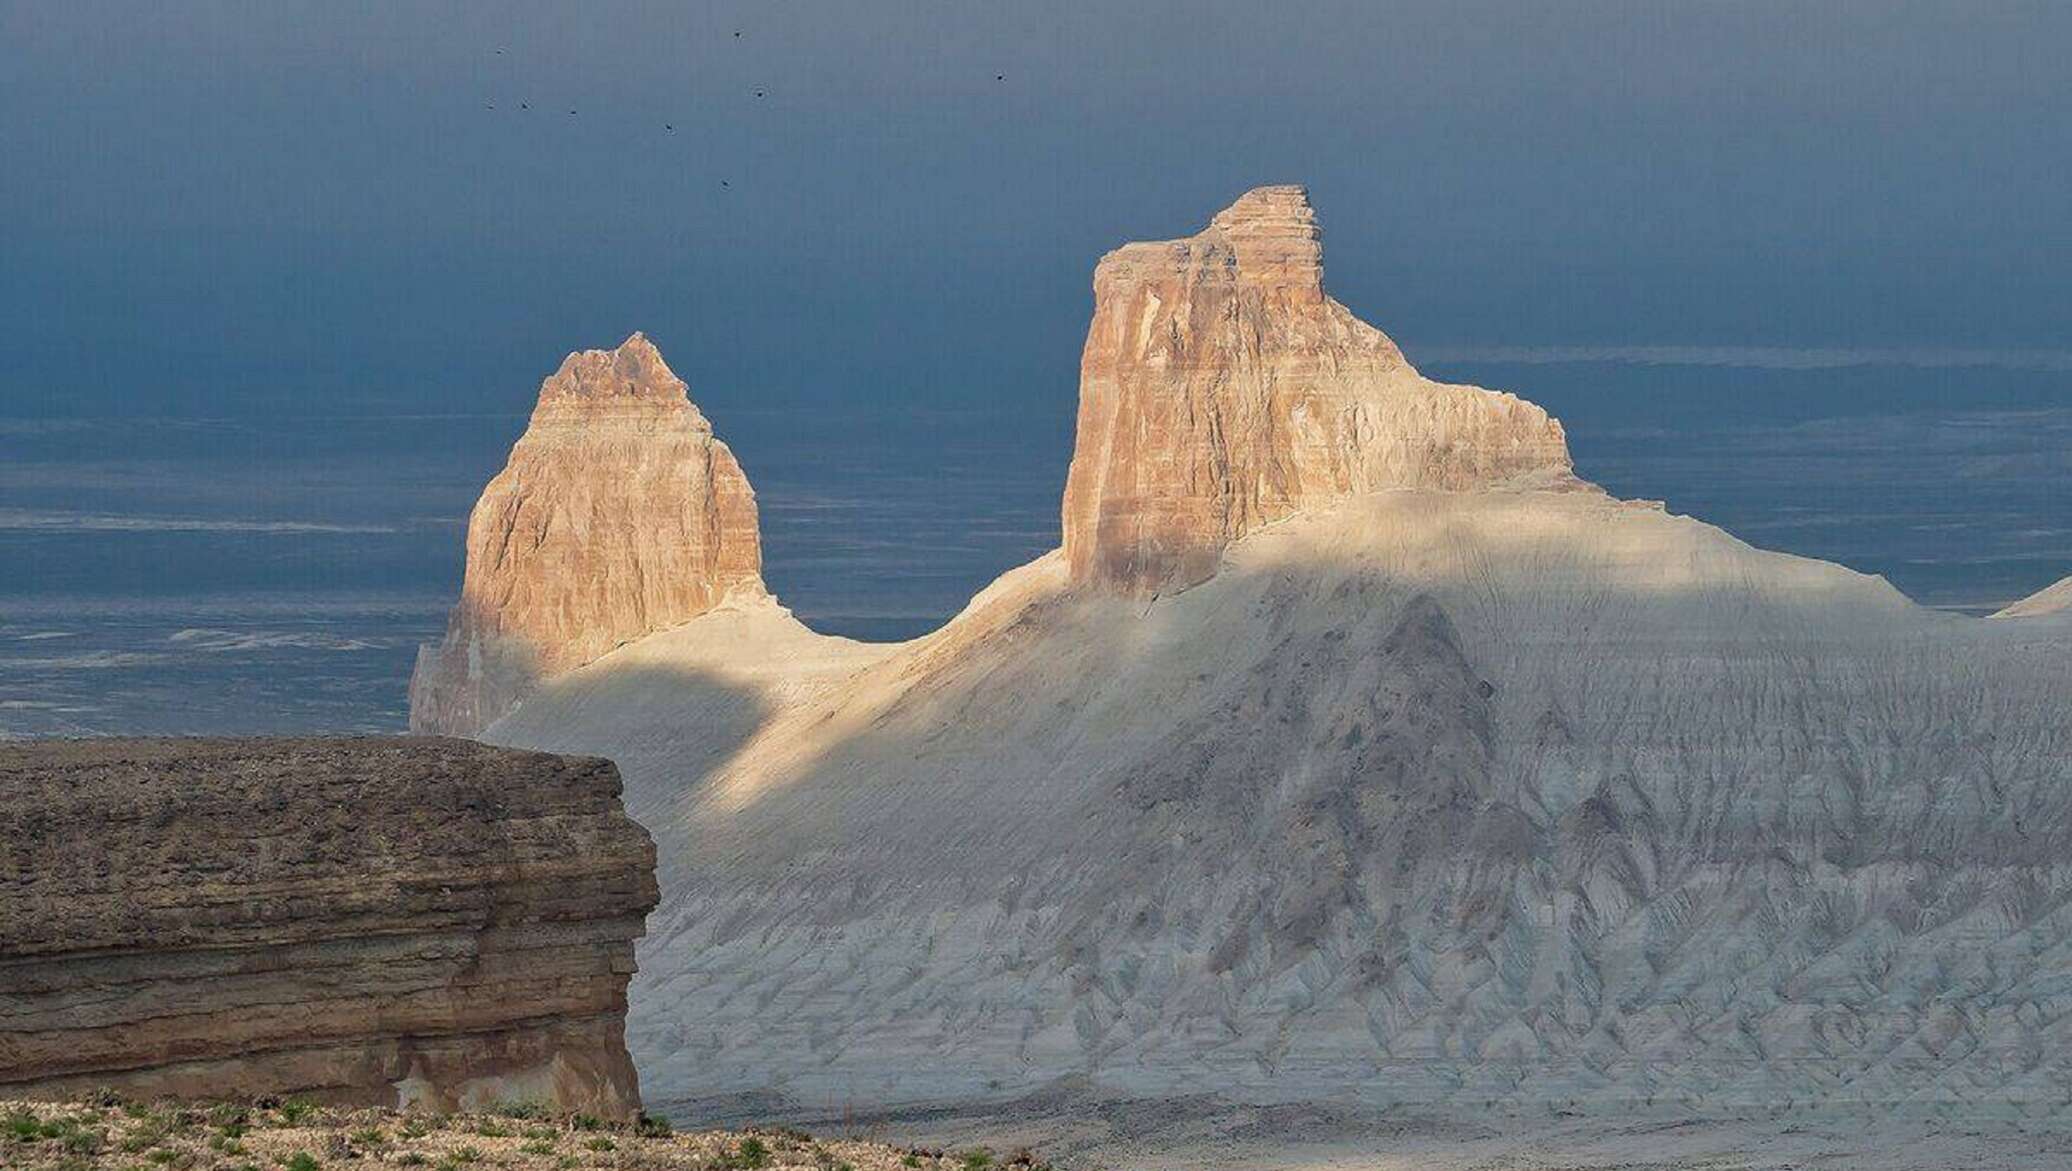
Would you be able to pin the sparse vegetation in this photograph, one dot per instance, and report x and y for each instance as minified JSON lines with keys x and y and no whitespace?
{"x":105,"y":1132}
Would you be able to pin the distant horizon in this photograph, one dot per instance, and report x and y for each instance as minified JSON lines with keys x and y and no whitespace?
{"x":216,"y":203}
{"x":287,"y":285}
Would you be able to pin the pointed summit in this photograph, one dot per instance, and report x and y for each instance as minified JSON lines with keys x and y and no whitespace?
{"x":1222,"y":389}
{"x":1272,"y":234}
{"x":617,"y":515}
{"x":633,"y":372}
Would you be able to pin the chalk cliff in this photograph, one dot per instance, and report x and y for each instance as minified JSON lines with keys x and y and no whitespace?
{"x":618,"y":514}
{"x":1450,"y":785}
{"x":2051,"y":599}
{"x":1222,"y":389}
{"x":366,"y":921}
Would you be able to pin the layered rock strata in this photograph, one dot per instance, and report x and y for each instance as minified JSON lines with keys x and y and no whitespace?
{"x":1222,"y":389}
{"x":365,"y":921}
{"x":618,"y":514}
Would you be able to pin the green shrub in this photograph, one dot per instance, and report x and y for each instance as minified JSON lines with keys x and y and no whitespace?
{"x":538,"y":1146}
{"x":978,"y":1160}
{"x":585,"y":1122}
{"x":142,"y":1139}
{"x":651,"y":1125}
{"x":466,"y":1155}
{"x":294,"y":1110}
{"x":601,"y":1143}
{"x":300,"y":1160}
{"x":81,"y":1141}
{"x":911,"y":1160}
{"x":491,"y":1129}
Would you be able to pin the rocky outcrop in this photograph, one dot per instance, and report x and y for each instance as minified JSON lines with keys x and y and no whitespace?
{"x":1455,"y":799}
{"x":2051,"y":599}
{"x":1222,"y":389}
{"x":366,"y":921}
{"x":618,"y":514}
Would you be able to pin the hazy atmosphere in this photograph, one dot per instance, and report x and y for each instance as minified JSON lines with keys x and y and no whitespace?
{"x":283,"y":279}
{"x":1034,"y":587}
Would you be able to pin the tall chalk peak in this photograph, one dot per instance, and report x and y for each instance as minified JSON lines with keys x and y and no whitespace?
{"x":618,"y":514}
{"x":1222,"y":389}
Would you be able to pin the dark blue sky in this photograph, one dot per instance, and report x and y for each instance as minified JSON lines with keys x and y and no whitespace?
{"x":211,"y":207}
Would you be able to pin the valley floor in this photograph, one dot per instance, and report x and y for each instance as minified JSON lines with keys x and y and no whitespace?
{"x":1208,"y":1135}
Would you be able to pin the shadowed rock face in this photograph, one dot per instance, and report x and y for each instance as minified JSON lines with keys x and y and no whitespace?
{"x":368,"y":921}
{"x":1222,"y":389}
{"x":618,"y":514}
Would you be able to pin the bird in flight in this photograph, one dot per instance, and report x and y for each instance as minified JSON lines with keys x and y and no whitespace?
{"x":525,"y":105}
{"x":668,"y":127}
{"x":999,"y":77}
{"x":724,"y":183}
{"x":759,"y":93}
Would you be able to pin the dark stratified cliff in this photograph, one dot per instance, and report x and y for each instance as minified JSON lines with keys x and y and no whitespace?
{"x":373,"y":921}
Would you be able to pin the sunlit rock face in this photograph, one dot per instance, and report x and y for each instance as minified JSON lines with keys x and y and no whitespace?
{"x":2051,"y":599}
{"x":1222,"y":389}
{"x":377,"y":921}
{"x":618,"y":514}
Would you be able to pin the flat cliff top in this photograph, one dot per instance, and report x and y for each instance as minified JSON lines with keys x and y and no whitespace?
{"x":170,"y":843}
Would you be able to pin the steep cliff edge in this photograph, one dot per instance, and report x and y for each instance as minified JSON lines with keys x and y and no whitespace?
{"x":367,"y":921}
{"x":1221,"y":389}
{"x":618,"y":514}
